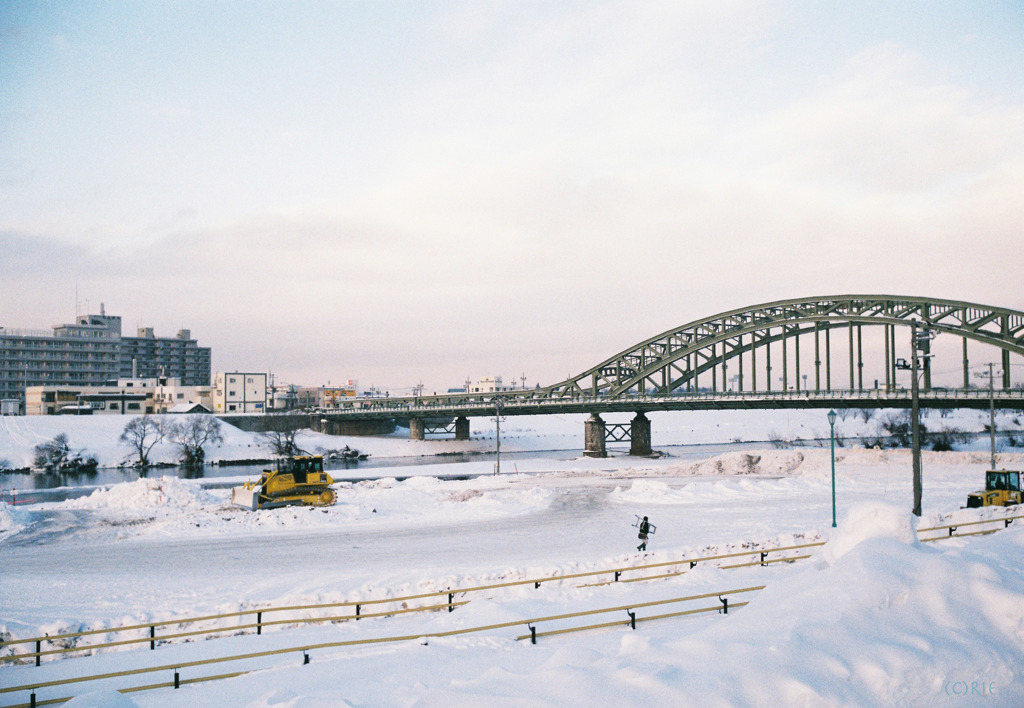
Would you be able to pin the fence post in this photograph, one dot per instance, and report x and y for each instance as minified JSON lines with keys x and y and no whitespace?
{"x":305,"y":657}
{"x":536,"y":585}
{"x":451,"y":598}
{"x":39,"y":648}
{"x":259,"y":623}
{"x":533,"y":634}
{"x":152,"y":637}
{"x":764,"y":554}
{"x":693,"y":564}
{"x":725,"y":605}
{"x":32,"y":700}
{"x":951,"y":530}
{"x":617,"y":574}
{"x":357,"y":612}
{"x":177,"y":681}
{"x":632,"y":619}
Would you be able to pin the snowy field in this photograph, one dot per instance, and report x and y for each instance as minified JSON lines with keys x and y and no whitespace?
{"x":873,"y":618}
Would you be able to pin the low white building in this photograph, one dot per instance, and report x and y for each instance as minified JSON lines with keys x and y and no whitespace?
{"x":239,"y":392}
{"x":124,"y":396}
{"x":488,"y":384}
{"x":169,"y":393}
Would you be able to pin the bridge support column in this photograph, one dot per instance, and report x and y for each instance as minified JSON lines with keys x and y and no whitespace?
{"x":640,"y":436}
{"x":416,"y":431}
{"x":462,"y":428}
{"x":593,"y":437}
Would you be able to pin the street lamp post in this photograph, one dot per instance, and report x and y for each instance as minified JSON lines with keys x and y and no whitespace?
{"x":832,"y":436}
{"x":915,"y":421}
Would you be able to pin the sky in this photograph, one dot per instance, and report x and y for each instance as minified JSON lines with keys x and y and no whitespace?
{"x":425,"y":192}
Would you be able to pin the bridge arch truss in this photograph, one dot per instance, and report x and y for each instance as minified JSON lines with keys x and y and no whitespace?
{"x":699,"y":355}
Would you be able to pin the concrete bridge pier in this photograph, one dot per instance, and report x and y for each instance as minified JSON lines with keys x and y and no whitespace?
{"x":640,"y":436}
{"x":594,"y":434}
{"x":416,"y":429}
{"x":462,"y":428}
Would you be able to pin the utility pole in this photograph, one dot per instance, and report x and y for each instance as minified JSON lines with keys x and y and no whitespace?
{"x":915,"y":423}
{"x":991,"y":413}
{"x":497,"y":446}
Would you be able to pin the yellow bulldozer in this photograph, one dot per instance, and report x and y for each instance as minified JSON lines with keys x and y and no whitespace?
{"x":1002,"y":488}
{"x":296,"y":481}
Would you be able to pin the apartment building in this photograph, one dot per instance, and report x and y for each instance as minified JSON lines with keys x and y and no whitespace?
{"x":93,"y":352}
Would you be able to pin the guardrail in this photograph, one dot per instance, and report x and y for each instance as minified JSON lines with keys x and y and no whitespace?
{"x":153,"y":638}
{"x":307,"y":648}
{"x":951,"y":528}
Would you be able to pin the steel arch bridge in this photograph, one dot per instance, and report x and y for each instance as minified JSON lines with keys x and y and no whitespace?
{"x":687,"y":368}
{"x":684,"y":358}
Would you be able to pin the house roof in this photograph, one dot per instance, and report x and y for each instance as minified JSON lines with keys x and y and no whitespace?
{"x":189,"y":407}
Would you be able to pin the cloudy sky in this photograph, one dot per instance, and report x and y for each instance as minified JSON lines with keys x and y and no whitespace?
{"x":405,"y":192}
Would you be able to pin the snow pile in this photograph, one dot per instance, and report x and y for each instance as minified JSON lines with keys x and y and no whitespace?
{"x":887,"y":622}
{"x":143,"y":497}
{"x":12,"y":520}
{"x":769,"y":463}
{"x":866,"y":521}
{"x":644,"y":491}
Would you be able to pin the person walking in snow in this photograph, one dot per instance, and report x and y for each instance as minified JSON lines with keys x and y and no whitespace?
{"x":645,"y":528}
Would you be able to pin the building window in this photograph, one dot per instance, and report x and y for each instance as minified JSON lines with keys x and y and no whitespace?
{"x":133,"y":406}
{"x":231,"y":407}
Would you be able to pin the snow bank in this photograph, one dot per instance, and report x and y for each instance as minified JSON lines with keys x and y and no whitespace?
{"x":101,"y":699}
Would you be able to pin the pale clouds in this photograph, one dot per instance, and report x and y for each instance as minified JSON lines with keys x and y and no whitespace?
{"x":509,"y":187}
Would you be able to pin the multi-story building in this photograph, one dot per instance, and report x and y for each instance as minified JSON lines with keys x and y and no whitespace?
{"x":326,"y":396}
{"x":239,"y":392}
{"x":92,"y":352}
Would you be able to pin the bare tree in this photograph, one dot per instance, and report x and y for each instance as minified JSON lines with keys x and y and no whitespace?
{"x":142,"y":434}
{"x":281,"y":442}
{"x":192,"y":436}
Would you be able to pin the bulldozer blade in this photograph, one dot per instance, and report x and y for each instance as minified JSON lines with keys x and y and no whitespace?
{"x":248,"y":498}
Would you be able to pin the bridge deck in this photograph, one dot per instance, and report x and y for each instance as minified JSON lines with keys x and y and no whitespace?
{"x":522,"y":403}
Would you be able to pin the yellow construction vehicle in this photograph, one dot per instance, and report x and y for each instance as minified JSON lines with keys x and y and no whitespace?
{"x":297,"y":480}
{"x":1002,"y":488}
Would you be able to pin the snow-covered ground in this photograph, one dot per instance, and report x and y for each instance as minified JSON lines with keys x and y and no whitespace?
{"x":874,"y":618}
{"x":98,"y":435}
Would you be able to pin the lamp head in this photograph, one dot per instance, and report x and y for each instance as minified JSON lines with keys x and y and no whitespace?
{"x":832,"y":417}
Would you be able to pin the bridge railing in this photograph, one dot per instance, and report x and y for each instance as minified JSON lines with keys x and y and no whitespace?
{"x":510,"y":401}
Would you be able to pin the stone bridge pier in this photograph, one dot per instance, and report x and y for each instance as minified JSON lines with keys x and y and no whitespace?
{"x":419,"y":427}
{"x":597,"y":433}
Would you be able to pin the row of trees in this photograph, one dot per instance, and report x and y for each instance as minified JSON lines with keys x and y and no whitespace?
{"x":191,"y":437}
